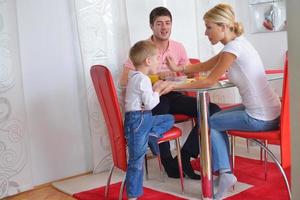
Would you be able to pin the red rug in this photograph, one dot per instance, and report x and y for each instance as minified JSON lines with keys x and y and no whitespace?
{"x":98,"y":194}
{"x":247,"y":170}
{"x":252,"y":172}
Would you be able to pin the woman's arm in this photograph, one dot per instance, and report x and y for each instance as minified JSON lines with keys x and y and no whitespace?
{"x":192,"y":68}
{"x":223,"y":63}
{"x":204,"y":66}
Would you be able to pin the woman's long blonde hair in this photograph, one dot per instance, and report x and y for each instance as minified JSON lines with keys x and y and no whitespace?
{"x":223,"y":14}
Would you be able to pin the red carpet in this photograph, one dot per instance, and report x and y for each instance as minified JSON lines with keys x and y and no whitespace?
{"x":247,"y":170}
{"x":98,"y":194}
{"x":252,"y":172}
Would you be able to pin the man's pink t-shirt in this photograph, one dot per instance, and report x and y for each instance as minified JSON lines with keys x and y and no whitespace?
{"x":175,"y":50}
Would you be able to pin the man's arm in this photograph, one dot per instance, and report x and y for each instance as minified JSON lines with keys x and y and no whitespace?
{"x":128,"y":66}
{"x":124,"y":76}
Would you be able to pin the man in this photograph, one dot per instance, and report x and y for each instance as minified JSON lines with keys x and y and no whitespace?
{"x":173,"y":102}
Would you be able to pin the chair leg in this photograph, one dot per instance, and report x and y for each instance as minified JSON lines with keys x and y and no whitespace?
{"x":232,"y":145}
{"x":247,"y":144}
{"x":108,"y":181}
{"x":161,"y":171}
{"x":179,"y":164}
{"x":277,"y":164}
{"x":265,"y":158}
{"x":122,"y":188}
{"x":146,"y":167}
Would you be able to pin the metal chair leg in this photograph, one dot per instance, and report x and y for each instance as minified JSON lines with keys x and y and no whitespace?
{"x":122,"y":188}
{"x":146,"y":167}
{"x":277,"y":163}
{"x":179,"y":164}
{"x":232,"y":145}
{"x":247,"y":144}
{"x":265,"y":158}
{"x":161,"y":171}
{"x":108,"y":181}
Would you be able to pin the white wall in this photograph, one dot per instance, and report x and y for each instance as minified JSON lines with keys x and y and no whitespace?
{"x":271,"y":46}
{"x":53,"y":88}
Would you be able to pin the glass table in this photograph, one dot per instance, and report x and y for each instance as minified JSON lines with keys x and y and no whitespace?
{"x":204,"y":133}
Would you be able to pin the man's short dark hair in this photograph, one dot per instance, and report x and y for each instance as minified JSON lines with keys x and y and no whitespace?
{"x":158,"y":12}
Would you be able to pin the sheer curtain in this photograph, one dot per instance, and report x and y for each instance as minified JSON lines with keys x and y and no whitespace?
{"x":15,"y":163}
{"x":104,"y":39}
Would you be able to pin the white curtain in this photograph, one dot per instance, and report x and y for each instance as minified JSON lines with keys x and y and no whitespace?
{"x":15,"y":163}
{"x":104,"y":39}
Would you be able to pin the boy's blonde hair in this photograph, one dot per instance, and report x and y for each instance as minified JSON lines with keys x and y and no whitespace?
{"x":140,"y":51}
{"x":223,"y":14}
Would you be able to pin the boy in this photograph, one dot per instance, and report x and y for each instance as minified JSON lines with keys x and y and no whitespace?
{"x":141,"y":127}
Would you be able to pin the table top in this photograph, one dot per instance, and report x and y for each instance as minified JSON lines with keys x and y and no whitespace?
{"x":222,"y":84}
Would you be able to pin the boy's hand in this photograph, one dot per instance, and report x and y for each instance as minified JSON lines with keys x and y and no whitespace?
{"x":166,"y":75}
{"x":160,"y":86}
{"x":156,"y":86}
{"x":169,"y":87}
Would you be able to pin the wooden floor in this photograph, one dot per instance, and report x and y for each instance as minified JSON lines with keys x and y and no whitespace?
{"x":44,"y":193}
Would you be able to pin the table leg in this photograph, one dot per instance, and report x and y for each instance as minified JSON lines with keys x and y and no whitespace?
{"x":205,"y":146}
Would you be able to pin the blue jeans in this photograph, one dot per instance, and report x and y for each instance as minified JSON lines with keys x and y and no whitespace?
{"x":232,"y":119}
{"x":138,"y":125}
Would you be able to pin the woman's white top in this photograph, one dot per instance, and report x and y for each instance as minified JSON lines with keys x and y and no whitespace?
{"x":139,"y":93}
{"x":248,"y":74}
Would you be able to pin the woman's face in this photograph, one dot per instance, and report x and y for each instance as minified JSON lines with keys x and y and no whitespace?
{"x":214,"y":32}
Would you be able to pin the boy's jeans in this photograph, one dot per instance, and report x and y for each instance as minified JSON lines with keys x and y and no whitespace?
{"x":138,"y":125}
{"x":232,"y":119}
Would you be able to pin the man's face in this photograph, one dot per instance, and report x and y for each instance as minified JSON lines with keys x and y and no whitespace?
{"x":162,"y":27}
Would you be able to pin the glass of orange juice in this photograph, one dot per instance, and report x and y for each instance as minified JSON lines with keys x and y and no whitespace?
{"x":154,"y":78}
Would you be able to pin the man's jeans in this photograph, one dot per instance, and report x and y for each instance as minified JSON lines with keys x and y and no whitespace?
{"x":232,"y":119}
{"x":138,"y":125}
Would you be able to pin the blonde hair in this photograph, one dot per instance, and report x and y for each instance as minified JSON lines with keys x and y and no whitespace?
{"x":223,"y":14}
{"x":140,"y":51}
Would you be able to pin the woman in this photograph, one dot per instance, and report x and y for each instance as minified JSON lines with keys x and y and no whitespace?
{"x":260,"y":107}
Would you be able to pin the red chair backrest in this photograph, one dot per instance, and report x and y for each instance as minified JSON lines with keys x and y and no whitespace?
{"x":106,"y":93}
{"x":194,"y":60}
{"x":285,"y":121}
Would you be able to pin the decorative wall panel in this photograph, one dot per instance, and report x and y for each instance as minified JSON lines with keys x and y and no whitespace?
{"x":103,"y":34}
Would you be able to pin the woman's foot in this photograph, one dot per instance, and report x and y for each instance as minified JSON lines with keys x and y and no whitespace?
{"x":187,"y":167}
{"x":227,"y":181}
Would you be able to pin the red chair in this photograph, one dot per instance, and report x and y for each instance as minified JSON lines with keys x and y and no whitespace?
{"x":106,"y":94}
{"x":281,"y":135}
{"x":227,"y":106}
